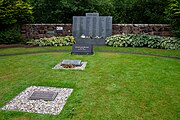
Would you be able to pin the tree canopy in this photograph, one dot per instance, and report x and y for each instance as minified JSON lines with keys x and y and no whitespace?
{"x":173,"y":15}
{"x":62,"y":11}
{"x":123,"y":11}
{"x":15,"y":12}
{"x":139,"y":11}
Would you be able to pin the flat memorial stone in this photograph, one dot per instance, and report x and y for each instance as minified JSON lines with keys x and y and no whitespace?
{"x":44,"y":95}
{"x":72,"y":62}
{"x":22,"y":103}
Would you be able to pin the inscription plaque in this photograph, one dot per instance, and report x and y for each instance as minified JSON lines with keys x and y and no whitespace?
{"x":72,"y":62}
{"x":108,"y":26}
{"x":92,"y":14}
{"x":82,"y":49}
{"x":82,"y":25}
{"x":59,"y":28}
{"x":50,"y":32}
{"x":76,"y":26}
{"x":44,"y":95}
{"x":23,"y":31}
{"x":96,"y":26}
{"x":102,"y":26}
{"x":89,"y":26}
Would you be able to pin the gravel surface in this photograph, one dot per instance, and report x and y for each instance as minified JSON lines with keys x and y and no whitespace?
{"x":22,"y":103}
{"x":82,"y":67}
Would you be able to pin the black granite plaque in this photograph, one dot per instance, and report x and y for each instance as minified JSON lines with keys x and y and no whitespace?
{"x":89,"y":26}
{"x":82,"y":49}
{"x":95,"y":26}
{"x":76,"y":26}
{"x":102,"y":26}
{"x":44,"y":95}
{"x":108,"y":26}
{"x":71,"y":62}
{"x":82,"y":25}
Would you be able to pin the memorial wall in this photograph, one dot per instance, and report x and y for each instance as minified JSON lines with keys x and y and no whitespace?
{"x":92,"y":25}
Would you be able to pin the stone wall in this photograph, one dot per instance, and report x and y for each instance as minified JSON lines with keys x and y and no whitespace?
{"x":152,"y":29}
{"x":35,"y":31}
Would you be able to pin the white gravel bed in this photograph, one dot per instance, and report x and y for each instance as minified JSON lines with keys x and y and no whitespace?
{"x":82,"y":67}
{"x":22,"y":103}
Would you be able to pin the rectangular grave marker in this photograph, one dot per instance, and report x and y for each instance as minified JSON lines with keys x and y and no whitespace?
{"x":72,"y":62}
{"x":44,"y":95}
{"x":82,"y":49}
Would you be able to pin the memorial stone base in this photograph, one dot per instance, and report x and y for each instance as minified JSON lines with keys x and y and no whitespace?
{"x":93,"y":41}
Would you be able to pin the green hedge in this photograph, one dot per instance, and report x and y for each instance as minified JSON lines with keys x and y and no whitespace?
{"x":53,"y":41}
{"x":142,"y":40}
{"x":10,"y":36}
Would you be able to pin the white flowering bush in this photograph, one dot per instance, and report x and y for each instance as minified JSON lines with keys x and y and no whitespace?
{"x":54,"y":41}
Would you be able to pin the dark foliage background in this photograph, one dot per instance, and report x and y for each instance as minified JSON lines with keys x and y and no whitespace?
{"x":17,"y":12}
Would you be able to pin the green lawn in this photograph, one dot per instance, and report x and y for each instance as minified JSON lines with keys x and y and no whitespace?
{"x":113,"y":86}
{"x":96,"y":48}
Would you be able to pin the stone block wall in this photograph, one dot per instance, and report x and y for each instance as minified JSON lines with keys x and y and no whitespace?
{"x":152,"y":29}
{"x":36,"y":31}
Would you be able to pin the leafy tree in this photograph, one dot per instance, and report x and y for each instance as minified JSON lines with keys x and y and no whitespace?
{"x":123,"y":10}
{"x":15,"y":12}
{"x":173,"y":15}
{"x":12,"y":14}
{"x":62,"y":11}
{"x":139,"y":11}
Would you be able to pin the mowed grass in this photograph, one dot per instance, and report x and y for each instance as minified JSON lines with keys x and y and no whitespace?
{"x":112,"y":87}
{"x":162,"y":52}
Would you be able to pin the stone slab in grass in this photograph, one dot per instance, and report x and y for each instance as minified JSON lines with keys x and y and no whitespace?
{"x":43,"y":95}
{"x":72,"y":62}
{"x":82,"y":67}
{"x":22,"y":102}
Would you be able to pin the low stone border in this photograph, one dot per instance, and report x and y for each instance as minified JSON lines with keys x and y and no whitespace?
{"x":22,"y":103}
{"x":82,"y":67}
